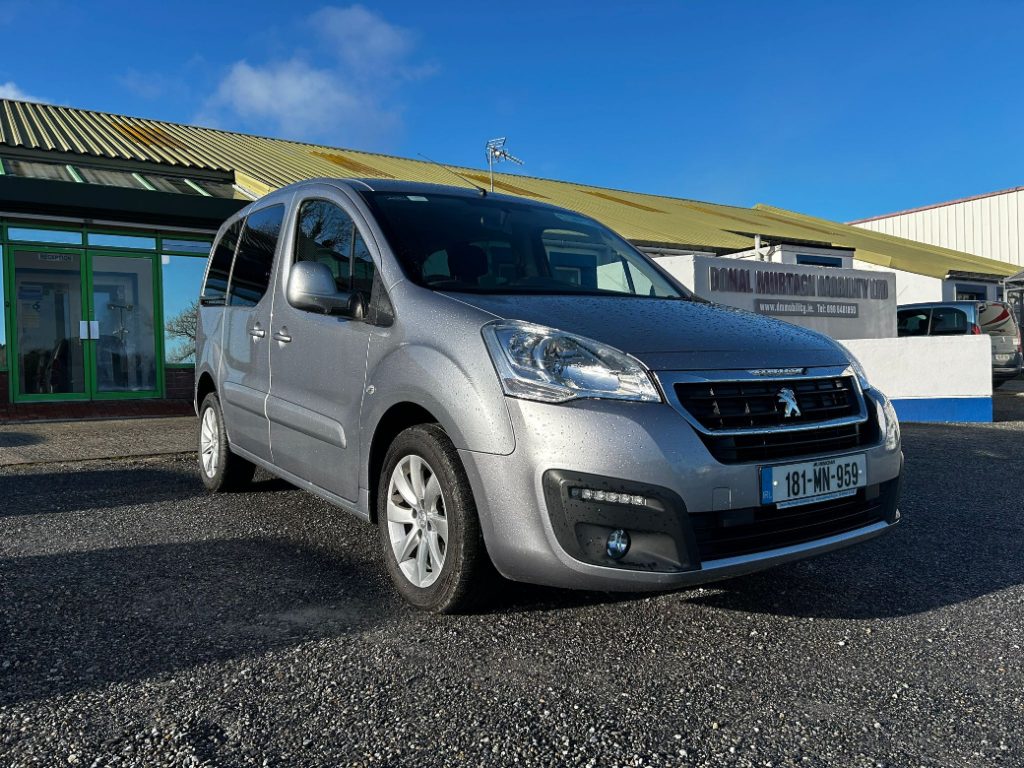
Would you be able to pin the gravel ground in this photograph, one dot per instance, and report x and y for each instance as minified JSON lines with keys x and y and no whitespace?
{"x":145,"y":623}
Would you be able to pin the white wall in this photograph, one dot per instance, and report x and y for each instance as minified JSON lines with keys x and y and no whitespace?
{"x":927,"y":366}
{"x":990,"y":226}
{"x":910,"y":288}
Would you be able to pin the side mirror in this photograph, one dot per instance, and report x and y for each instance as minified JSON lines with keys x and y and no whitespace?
{"x":311,"y":288}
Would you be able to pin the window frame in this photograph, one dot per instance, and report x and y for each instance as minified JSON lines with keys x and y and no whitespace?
{"x":82,"y":229}
{"x":5,"y":365}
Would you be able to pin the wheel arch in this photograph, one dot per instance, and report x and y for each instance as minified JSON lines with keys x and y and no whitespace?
{"x":204,"y":386}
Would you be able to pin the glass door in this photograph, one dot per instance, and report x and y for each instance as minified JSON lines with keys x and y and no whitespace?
{"x":49,"y":314}
{"x":124,"y":349}
{"x":85,"y":325}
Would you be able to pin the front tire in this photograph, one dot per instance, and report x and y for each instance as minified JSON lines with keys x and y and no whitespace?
{"x":220,"y":469}
{"x":430,"y":533}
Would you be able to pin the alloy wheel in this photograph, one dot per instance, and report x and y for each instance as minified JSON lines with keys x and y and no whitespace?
{"x":209,"y":442}
{"x":417,"y":521}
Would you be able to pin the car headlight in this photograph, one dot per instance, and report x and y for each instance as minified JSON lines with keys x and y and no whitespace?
{"x":538,"y":363}
{"x":888,"y":422}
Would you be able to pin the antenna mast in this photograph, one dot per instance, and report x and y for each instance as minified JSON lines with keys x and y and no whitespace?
{"x":496,"y":152}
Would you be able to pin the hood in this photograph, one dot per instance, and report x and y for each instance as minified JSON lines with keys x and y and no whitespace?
{"x":669,"y":334}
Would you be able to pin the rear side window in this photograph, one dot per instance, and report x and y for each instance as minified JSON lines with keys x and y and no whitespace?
{"x":216,"y":286}
{"x":254,"y":261}
{"x":912,"y":322}
{"x":948,"y":321}
{"x":997,"y":320}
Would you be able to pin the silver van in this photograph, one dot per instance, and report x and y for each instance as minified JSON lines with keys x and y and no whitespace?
{"x":502,"y":386}
{"x":962,"y":318}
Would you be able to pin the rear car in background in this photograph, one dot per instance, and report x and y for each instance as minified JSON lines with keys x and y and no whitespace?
{"x":963,"y":318}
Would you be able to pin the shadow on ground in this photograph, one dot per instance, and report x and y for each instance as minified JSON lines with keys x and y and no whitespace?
{"x":1008,"y":406}
{"x":92,"y":488}
{"x":79,"y":620}
{"x":961,"y":537}
{"x":13,"y":439}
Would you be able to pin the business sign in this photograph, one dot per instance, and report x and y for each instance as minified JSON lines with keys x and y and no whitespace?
{"x":842,"y":303}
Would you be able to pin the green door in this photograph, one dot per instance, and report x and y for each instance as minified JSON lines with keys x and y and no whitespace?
{"x":124,"y":351}
{"x":86,"y":325}
{"x":49,"y":328}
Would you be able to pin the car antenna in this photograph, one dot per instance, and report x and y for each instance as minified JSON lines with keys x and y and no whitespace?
{"x":477,"y":187}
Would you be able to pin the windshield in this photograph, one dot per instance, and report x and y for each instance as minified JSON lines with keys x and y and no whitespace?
{"x":486,"y":245}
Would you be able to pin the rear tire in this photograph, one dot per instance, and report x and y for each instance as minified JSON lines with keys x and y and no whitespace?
{"x":430,"y":533}
{"x":221,"y":470}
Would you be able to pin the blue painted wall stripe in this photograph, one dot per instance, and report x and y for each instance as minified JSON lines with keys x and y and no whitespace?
{"x":973,"y":409}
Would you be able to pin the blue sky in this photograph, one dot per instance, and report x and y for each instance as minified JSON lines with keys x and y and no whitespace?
{"x":839,"y":110}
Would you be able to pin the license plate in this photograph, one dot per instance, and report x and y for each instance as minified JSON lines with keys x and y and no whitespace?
{"x":790,"y":485}
{"x":1003,"y":358}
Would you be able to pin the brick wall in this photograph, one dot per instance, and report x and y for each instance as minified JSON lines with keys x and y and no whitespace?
{"x":177,"y":403}
{"x":180,"y":383}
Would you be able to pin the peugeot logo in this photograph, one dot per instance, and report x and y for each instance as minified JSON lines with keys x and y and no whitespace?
{"x":788,"y":398}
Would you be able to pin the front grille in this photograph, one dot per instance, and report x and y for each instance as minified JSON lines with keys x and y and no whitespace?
{"x":756,"y":404}
{"x":741,"y":532}
{"x":743,"y":420}
{"x":769,"y":446}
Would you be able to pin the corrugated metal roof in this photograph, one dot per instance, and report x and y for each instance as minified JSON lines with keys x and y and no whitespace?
{"x":261,"y":164}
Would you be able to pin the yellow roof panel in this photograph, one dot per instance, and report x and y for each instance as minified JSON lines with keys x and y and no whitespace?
{"x":261,"y":164}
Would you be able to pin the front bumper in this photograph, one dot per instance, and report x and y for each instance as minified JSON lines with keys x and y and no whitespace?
{"x":643,"y":445}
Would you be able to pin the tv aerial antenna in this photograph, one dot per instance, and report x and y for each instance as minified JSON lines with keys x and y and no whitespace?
{"x":497,"y":153}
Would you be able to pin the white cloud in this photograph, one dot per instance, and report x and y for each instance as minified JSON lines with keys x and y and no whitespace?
{"x":299,"y":101}
{"x":363,"y":40}
{"x":340,"y":93}
{"x":10,"y":90}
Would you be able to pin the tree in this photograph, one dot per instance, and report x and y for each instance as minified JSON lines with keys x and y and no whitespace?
{"x":183,"y":326}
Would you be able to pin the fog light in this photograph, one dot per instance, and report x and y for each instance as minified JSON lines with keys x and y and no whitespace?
{"x":590,"y":494}
{"x":618,"y":544}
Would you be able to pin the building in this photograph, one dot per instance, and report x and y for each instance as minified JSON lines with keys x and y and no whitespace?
{"x":106,"y":221}
{"x":989,"y":225}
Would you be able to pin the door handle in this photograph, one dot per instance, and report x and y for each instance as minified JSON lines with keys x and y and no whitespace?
{"x":283,"y":336}
{"x":88,"y":330}
{"x":257,"y":332}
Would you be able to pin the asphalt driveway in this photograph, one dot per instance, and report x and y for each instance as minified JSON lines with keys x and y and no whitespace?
{"x":146,"y":623}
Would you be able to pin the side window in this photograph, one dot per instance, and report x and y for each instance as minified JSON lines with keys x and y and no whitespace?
{"x":912,"y":322}
{"x":254,"y":262}
{"x":326,"y":234}
{"x":216,"y":286}
{"x":948,"y":321}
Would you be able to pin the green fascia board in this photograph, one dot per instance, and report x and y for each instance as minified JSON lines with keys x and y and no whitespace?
{"x":142,"y":206}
